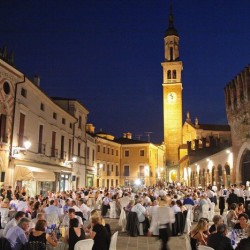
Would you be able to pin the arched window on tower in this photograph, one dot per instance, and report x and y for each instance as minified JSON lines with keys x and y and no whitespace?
{"x":169,"y":74}
{"x":174,"y":74}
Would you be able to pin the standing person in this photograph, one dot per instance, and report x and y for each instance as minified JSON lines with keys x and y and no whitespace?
{"x":9,"y":193}
{"x":222,"y":195}
{"x":17,"y":192}
{"x":232,"y":198}
{"x":74,"y":233}
{"x":17,"y":236}
{"x":99,"y":234}
{"x":164,"y":217}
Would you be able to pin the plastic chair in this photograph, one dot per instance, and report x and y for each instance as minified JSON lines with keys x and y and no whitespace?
{"x":188,"y":222}
{"x":187,"y":243}
{"x":84,"y":244}
{"x":113,"y":242}
{"x":4,"y":216}
{"x":211,"y":212}
{"x":205,"y":211}
{"x":201,"y":247}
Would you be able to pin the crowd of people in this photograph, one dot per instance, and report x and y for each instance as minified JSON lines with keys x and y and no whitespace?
{"x":82,"y":212}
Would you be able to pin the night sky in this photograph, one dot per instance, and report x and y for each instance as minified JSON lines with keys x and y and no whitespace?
{"x":108,"y":54}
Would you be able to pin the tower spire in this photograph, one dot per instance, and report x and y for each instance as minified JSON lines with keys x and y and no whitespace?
{"x":171,"y":17}
{"x":171,"y":30}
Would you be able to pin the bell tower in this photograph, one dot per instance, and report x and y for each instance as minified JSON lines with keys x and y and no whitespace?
{"x":172,"y":93}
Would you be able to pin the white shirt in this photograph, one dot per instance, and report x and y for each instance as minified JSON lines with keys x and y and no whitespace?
{"x":140,"y":210}
{"x":85,"y":211}
{"x":66,"y":220}
{"x":52,"y":209}
{"x":10,"y":224}
{"x":22,"y":206}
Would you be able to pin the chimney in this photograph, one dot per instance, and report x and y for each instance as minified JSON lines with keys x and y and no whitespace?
{"x":36,"y":80}
{"x":129,"y":135}
{"x":196,"y":144}
{"x":90,"y":128}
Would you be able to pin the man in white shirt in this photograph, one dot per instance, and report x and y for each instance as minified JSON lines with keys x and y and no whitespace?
{"x":84,"y":209}
{"x":13,"y":222}
{"x":71,"y":214}
{"x":52,"y":209}
{"x":22,"y":204}
{"x":17,"y":235}
{"x":73,"y":205}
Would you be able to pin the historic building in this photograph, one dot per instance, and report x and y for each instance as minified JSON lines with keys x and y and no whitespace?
{"x":190,"y":142}
{"x":125,"y":161}
{"x":172,"y":96}
{"x":79,"y":142}
{"x":43,"y":141}
{"x":237,"y":96}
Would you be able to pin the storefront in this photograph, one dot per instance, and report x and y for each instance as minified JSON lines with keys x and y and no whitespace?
{"x":35,"y":180}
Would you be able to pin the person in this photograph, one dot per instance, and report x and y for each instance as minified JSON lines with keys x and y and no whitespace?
{"x":74,"y":233}
{"x":240,"y":209}
{"x":141,"y":214}
{"x":217,"y":220}
{"x":222,"y":195}
{"x":188,"y":200}
{"x":99,"y":234}
{"x":5,"y":203}
{"x":84,"y":209}
{"x":17,"y":192}
{"x":197,"y":236}
{"x":244,"y":244}
{"x":232,"y":198}
{"x":71,"y":214}
{"x":13,"y":222}
{"x":219,"y":240}
{"x":17,"y":235}
{"x":181,"y":206}
{"x":231,"y":215}
{"x":163,"y":217}
{"x":242,"y":224}
{"x":39,"y":216}
{"x":36,"y":209}
{"x":39,"y":234}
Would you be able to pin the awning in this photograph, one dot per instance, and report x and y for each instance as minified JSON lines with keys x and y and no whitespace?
{"x":33,"y":174}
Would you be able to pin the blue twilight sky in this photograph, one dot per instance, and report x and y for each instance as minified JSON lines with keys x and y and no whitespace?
{"x":108,"y":54}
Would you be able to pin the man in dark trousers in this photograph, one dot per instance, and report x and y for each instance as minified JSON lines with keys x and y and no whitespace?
{"x":232,"y":198}
{"x":162,"y":218}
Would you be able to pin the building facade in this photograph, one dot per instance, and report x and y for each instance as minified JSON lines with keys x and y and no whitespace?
{"x":237,"y":96}
{"x":172,"y":95}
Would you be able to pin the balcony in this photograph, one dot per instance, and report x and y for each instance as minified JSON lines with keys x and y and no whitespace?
{"x":4,"y":138}
{"x":63,"y":155}
{"x":41,"y":148}
{"x":54,"y":152}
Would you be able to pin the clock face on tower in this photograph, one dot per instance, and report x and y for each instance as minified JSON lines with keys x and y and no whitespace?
{"x":171,"y":97}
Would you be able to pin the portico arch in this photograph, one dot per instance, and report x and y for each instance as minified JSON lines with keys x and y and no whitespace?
{"x":245,"y":167}
{"x":242,"y":157}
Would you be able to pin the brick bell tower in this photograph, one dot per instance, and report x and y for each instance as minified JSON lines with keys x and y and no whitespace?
{"x":172,"y":93}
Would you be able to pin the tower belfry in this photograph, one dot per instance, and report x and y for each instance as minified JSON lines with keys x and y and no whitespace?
{"x":172,"y":93}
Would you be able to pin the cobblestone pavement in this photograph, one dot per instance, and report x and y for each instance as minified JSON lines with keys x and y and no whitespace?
{"x":126,"y":242}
